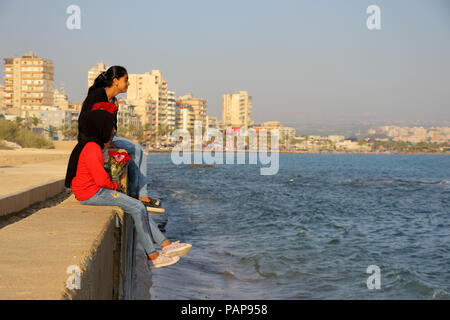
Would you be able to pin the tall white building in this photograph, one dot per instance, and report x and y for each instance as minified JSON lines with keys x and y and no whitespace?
{"x":60,"y":98}
{"x":149,"y":94}
{"x":95,"y":71}
{"x":185,"y":116}
{"x":2,"y":88}
{"x":236,"y":109}
{"x":212,"y":123}
{"x":171,"y":110}
{"x":29,"y":81}
{"x":197,"y":105}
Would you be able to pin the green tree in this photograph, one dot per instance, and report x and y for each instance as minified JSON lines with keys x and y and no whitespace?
{"x":19,"y":122}
{"x":51,"y":131}
{"x":35,"y":121}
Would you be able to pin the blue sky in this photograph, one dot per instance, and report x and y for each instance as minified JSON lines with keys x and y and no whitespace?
{"x":302,"y":61}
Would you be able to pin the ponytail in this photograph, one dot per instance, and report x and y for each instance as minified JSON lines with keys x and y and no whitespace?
{"x":105,"y":79}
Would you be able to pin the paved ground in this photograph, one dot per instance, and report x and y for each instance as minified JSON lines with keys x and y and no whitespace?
{"x":15,"y":178}
{"x":24,"y":168}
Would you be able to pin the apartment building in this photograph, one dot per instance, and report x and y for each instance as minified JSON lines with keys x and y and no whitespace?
{"x":236,"y":110}
{"x":212,"y":123}
{"x":2,"y":93}
{"x":171,"y":110}
{"x":284,"y":133}
{"x":149,"y":94}
{"x":184,"y":116}
{"x":336,"y":138}
{"x":95,"y":71}
{"x":417,"y":134}
{"x":149,"y":114}
{"x":29,"y":81}
{"x":75,"y":109}
{"x":126,"y":116}
{"x":198,"y":106}
{"x":60,"y":98}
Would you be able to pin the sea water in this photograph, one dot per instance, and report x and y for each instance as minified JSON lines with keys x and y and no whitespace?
{"x":309,"y":232}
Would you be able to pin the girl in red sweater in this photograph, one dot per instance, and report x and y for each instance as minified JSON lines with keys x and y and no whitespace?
{"x":92,"y":185}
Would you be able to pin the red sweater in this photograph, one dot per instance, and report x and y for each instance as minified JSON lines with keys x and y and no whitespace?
{"x":91,"y":174}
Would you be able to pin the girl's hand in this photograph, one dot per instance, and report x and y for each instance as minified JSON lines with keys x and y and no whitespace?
{"x":110,"y":145}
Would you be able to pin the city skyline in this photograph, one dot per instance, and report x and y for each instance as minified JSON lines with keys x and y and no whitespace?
{"x":301,"y":62}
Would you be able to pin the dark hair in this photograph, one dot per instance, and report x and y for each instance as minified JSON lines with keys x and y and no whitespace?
{"x":105,"y":79}
{"x":94,"y":126}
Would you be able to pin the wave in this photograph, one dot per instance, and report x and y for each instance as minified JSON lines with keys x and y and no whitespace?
{"x":398,"y":181}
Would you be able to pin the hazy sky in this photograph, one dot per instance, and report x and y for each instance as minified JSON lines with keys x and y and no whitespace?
{"x":300,"y":60}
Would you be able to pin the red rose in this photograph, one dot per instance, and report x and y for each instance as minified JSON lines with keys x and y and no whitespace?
{"x":120,"y":157}
{"x":107,"y":106}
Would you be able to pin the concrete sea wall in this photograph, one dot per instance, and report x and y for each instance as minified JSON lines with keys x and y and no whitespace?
{"x":68,"y":251}
{"x":23,"y":199}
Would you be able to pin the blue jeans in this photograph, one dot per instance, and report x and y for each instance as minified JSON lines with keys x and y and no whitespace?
{"x":146,"y":229}
{"x":137,"y":168}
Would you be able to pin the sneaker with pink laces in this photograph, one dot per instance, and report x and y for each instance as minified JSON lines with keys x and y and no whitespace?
{"x":163,"y":261}
{"x":177,"y":249}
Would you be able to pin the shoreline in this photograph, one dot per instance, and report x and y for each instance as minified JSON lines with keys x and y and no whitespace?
{"x":303,"y":152}
{"x":23,"y":156}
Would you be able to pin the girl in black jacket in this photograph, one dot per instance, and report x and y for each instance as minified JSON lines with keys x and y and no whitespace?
{"x":105,"y":88}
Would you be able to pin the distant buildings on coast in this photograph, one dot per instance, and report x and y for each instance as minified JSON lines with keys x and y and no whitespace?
{"x":29,"y":92}
{"x":150,"y":112}
{"x":414,"y":134}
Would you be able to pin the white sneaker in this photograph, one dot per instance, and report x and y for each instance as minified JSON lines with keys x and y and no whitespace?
{"x":177,"y":249}
{"x":163,"y":261}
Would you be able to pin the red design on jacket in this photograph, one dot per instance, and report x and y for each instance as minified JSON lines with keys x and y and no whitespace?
{"x":107,"y":106}
{"x":91,"y":174}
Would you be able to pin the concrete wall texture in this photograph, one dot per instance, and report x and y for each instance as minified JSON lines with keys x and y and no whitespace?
{"x":69,"y":251}
{"x":23,"y":199}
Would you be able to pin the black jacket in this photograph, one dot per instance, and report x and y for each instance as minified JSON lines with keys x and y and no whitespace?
{"x":97,"y":95}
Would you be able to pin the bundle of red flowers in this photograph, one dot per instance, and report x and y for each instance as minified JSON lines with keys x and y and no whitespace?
{"x":117,"y":162}
{"x":107,"y":106}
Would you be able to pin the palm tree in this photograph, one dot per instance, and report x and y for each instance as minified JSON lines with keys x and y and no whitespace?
{"x":162,"y":131}
{"x":35,"y":121}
